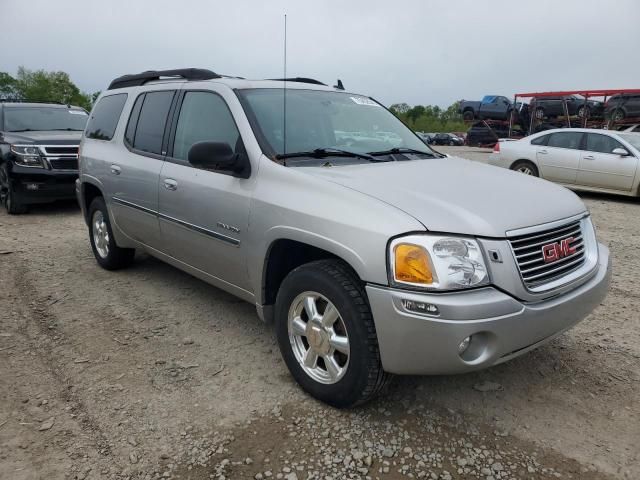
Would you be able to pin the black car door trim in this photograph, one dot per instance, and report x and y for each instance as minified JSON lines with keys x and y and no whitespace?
{"x":196,"y":228}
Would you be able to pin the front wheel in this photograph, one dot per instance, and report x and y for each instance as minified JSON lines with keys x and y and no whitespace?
{"x":108,"y":255}
{"x":327,"y":336}
{"x":526,"y":167}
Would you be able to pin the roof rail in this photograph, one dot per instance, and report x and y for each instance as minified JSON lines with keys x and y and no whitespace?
{"x":299,"y":80}
{"x":21,"y":100}
{"x":137,"y":79}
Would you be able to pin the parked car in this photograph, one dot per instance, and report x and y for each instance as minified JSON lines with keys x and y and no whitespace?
{"x":619,"y":107}
{"x":336,"y":245}
{"x":491,"y":107}
{"x":446,"y":139}
{"x":582,"y":159}
{"x":426,"y":137}
{"x":38,"y":153}
{"x":482,"y":135}
{"x":550,"y":107}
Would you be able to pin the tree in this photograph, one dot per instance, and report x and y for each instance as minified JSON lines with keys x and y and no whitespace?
{"x":399,"y":108}
{"x":8,"y":87}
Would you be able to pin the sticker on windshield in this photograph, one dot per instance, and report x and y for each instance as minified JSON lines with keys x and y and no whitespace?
{"x":364,"y":101}
{"x":77,"y":112}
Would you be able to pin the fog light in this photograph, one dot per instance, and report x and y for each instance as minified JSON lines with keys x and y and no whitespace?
{"x":420,"y":307}
{"x":464,"y":344}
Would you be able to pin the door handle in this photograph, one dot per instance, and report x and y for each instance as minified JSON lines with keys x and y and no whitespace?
{"x":543,"y":152}
{"x":115,"y":169}
{"x":589,"y":157}
{"x":170,"y":184}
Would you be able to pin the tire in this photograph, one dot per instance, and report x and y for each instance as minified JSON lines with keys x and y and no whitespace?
{"x":526,"y":167}
{"x":357,"y":375}
{"x":538,"y":114}
{"x":451,"y":143}
{"x":617,"y":115}
{"x":468,"y":115}
{"x":108,"y":255}
{"x":582,"y":111}
{"x":12,"y":206}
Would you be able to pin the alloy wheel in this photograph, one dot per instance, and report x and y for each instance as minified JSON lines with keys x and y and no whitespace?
{"x":100,"y":234}
{"x":318,"y":337}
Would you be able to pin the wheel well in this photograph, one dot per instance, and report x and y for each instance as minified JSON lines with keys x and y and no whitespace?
{"x":90,"y":192}
{"x":284,"y":256}
{"x":523,"y":160}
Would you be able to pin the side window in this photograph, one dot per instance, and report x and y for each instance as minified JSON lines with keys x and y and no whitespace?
{"x":565,"y":140}
{"x":540,"y":140}
{"x":104,"y":117}
{"x":152,"y":121}
{"x":130,"y":133}
{"x":601,"y":143}
{"x":203,"y":117}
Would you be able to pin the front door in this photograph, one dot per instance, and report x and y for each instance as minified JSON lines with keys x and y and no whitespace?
{"x":136,"y":170}
{"x":559,"y":159}
{"x":204,"y":215}
{"x":599,"y":167}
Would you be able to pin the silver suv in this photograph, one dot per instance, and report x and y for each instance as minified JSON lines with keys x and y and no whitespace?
{"x":372,"y":254}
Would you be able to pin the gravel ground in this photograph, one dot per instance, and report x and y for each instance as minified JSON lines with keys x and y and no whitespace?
{"x":149,"y":373}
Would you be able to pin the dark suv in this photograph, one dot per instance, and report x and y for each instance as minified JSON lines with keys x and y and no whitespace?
{"x":446,"y":139}
{"x":619,"y":107}
{"x":549,"y":107}
{"x":38,"y":153}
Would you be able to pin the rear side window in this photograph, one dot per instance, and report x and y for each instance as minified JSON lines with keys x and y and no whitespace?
{"x":204,"y":117}
{"x":540,"y":140}
{"x":565,"y":140}
{"x":104,"y":117}
{"x":152,"y":121}
{"x":601,"y":143}
{"x":130,"y":133}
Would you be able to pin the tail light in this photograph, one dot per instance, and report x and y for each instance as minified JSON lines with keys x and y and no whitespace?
{"x":496,"y":147}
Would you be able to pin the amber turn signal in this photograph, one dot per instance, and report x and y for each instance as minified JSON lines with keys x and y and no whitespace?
{"x":412,"y":264}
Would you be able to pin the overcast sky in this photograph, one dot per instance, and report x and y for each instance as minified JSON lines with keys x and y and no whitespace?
{"x":419,"y":52}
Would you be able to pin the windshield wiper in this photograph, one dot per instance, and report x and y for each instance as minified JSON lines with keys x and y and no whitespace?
{"x":66,"y":130}
{"x":397,"y":150}
{"x":24,"y":130}
{"x":326,"y":152}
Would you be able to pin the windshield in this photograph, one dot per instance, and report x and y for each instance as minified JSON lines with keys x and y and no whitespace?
{"x":19,"y":119}
{"x":632,"y":138}
{"x":326,"y":120}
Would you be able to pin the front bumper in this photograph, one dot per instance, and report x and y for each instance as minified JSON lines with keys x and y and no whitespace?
{"x":501,"y":326}
{"x":31,"y":185}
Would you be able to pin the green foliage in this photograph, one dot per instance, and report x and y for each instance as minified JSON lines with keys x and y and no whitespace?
{"x":430,"y":118}
{"x":43,"y":86}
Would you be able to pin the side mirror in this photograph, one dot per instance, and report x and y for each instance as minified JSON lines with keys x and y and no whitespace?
{"x":215,"y":156}
{"x":620,"y":151}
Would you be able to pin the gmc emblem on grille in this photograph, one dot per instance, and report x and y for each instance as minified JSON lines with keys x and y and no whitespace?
{"x":552,"y":252}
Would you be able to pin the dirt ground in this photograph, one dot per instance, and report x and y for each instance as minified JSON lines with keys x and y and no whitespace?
{"x":149,"y":373}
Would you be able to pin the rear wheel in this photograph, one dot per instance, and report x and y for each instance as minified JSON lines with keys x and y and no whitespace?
{"x":108,"y":255}
{"x":618,"y":115}
{"x":327,"y":336}
{"x":539,"y":113}
{"x":526,"y":167}
{"x":584,"y":112}
{"x":468,"y":115}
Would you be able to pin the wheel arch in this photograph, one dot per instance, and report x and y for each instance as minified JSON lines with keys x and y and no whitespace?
{"x":89,"y":191}
{"x":284,"y":254}
{"x":525,"y":160}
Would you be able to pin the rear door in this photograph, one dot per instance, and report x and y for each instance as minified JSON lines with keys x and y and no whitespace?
{"x":601,"y":168}
{"x":137,"y":169}
{"x":204,"y":214}
{"x":559,"y":159}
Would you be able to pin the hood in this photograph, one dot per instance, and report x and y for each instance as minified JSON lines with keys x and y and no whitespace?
{"x":43,"y":137}
{"x":454,"y":195}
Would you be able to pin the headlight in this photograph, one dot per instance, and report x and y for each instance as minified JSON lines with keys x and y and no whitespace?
{"x":27,"y":156}
{"x":437,"y":262}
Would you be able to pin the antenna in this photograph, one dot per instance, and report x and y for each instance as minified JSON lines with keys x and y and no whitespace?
{"x":284,"y":101}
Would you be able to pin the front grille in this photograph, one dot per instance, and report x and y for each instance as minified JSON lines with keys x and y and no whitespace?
{"x":64,"y":163}
{"x":51,"y":150}
{"x":528,"y":252}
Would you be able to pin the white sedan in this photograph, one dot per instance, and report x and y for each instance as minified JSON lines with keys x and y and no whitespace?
{"x":578,"y":158}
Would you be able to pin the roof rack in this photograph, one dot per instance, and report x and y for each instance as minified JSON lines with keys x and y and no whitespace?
{"x":137,"y":79}
{"x":299,"y":80}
